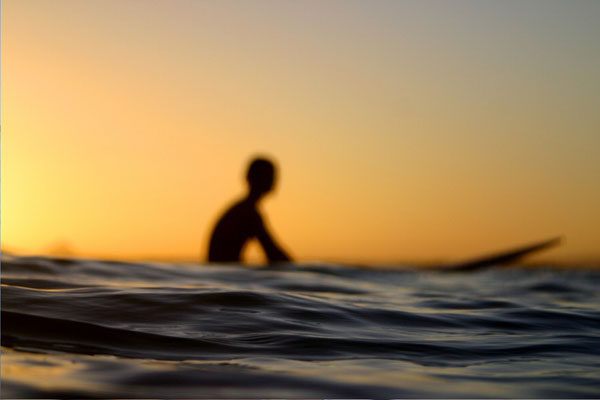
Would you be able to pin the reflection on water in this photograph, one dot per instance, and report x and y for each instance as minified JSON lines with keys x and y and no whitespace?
{"x":86,"y":328}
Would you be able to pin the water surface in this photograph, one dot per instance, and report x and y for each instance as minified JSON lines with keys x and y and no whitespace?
{"x":97,"y":329}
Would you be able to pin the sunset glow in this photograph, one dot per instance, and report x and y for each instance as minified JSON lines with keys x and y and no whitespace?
{"x":406,"y":130}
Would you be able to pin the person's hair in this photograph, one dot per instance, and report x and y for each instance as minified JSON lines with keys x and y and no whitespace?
{"x":259,"y":168}
{"x":261,"y":175}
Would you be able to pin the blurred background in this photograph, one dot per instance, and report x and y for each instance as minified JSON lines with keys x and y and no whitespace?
{"x":405,"y":131}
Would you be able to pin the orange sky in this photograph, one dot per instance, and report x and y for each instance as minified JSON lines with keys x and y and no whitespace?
{"x":403,"y":130}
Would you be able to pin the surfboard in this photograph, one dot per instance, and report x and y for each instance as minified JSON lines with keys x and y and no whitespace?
{"x":501,"y":257}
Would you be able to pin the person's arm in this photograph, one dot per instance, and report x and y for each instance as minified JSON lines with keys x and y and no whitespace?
{"x":274,"y":252}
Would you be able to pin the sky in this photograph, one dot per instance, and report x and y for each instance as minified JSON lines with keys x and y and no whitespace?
{"x":403,"y":130}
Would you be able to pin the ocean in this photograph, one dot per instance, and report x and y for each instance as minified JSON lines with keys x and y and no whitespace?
{"x":79,"y":328}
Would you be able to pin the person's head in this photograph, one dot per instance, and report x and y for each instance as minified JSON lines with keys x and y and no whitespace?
{"x":261,"y":176}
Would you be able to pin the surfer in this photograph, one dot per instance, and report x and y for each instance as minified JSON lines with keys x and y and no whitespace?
{"x":242,"y":221}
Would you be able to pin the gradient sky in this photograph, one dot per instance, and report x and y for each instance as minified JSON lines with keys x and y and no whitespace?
{"x":404,"y":130}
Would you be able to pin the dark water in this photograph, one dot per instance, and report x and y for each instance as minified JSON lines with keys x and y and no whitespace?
{"x":86,"y":329}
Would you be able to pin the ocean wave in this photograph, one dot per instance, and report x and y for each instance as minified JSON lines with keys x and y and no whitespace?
{"x":301,"y":330}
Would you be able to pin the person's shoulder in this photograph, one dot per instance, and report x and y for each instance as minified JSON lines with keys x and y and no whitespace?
{"x":245,"y":209}
{"x":238,"y":207}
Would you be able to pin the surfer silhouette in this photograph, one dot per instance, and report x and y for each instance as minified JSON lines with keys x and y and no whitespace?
{"x":243,"y":221}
